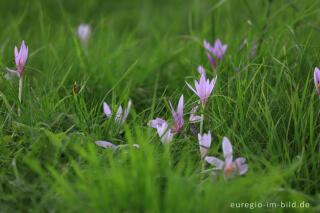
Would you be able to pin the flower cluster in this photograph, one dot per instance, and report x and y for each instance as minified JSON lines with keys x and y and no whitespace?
{"x":166,"y":131}
{"x":120,"y":116}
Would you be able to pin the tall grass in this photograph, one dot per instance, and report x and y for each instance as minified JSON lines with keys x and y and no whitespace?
{"x":145,"y":50}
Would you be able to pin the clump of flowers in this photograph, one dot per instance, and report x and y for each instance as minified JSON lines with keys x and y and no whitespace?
{"x":229,"y":168}
{"x":120,"y":115}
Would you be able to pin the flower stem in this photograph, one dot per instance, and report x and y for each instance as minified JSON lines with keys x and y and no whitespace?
{"x":20,"y":94}
{"x":201,"y":124}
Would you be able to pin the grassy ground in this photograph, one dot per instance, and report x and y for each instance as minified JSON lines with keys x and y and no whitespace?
{"x":145,"y":50}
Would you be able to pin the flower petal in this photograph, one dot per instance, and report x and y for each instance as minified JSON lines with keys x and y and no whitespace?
{"x":126,"y":111}
{"x":191,"y":88}
{"x":174,"y":114}
{"x":107,"y":110}
{"x":226,"y":147}
{"x":180,"y":111}
{"x":157,"y":122}
{"x":242,"y":168}
{"x":13,"y":71}
{"x":205,"y":143}
{"x":215,"y":162}
{"x":105,"y":144}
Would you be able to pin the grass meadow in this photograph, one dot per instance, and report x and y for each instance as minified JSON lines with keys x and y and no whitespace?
{"x":264,"y":100}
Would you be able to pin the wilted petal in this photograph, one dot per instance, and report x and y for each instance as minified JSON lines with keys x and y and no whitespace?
{"x":215,"y":162}
{"x":105,"y":144}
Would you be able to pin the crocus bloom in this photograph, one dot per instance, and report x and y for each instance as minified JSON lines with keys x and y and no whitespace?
{"x":317,"y":79}
{"x":205,"y":143}
{"x":203,"y":88}
{"x":106,"y":144}
{"x":84,"y":33}
{"x":165,"y":133}
{"x":178,"y":116}
{"x":20,"y":59}
{"x":218,"y":50}
{"x":229,"y":167}
{"x":120,"y":116}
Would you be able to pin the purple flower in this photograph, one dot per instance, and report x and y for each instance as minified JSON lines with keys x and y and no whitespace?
{"x":178,"y":116}
{"x":205,"y":143}
{"x":165,"y":133}
{"x":218,"y":50}
{"x":230,"y":168}
{"x":20,"y":58}
{"x":120,"y":116}
{"x":203,"y":88}
{"x":161,"y":125}
{"x":84,"y":33}
{"x":317,"y":79}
